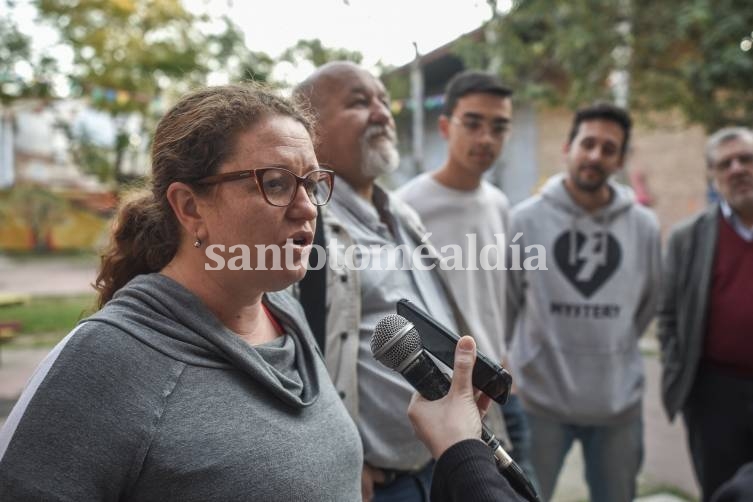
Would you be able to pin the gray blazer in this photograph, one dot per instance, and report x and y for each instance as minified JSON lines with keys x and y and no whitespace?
{"x":688,"y":264}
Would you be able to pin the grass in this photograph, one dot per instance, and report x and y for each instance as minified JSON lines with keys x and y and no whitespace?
{"x":666,"y":490}
{"x":45,"y":320}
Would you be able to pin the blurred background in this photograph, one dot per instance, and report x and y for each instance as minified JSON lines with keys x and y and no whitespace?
{"x":84,"y":82}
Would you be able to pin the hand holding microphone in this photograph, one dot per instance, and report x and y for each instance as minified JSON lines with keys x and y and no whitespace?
{"x":446,"y":412}
{"x":457,"y":416}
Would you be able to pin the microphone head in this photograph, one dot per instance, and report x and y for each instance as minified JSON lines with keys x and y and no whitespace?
{"x":395,"y":341}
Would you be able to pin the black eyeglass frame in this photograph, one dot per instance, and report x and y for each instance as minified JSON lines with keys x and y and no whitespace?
{"x":258,"y":174}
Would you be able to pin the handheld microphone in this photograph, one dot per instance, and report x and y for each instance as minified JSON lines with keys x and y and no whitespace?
{"x":396,"y":344}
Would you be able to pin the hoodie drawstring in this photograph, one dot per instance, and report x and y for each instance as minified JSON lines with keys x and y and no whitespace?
{"x":604,"y":240}
{"x":573,"y":242}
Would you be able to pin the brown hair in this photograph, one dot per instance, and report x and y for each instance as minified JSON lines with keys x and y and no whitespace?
{"x":191,"y":141}
{"x":603,"y":111}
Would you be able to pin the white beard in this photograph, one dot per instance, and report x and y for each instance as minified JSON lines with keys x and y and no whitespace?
{"x":381,"y":159}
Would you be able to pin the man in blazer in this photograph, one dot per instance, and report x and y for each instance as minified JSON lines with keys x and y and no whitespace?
{"x":706,"y":317}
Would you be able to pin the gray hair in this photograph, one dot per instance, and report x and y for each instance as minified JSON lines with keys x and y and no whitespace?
{"x":723,"y":136}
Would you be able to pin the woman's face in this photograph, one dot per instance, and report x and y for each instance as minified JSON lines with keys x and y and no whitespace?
{"x":236,"y":213}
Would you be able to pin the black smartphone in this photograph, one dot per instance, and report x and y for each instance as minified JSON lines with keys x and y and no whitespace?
{"x":488,"y":376}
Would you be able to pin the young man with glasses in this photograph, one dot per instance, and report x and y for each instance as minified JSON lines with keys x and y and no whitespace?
{"x":461,"y":209}
{"x":706,"y":320}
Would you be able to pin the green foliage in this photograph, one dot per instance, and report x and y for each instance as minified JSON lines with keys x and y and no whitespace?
{"x":313,"y":51}
{"x":129,"y":52}
{"x":680,"y":54}
{"x":229,"y":52}
{"x":15,"y":47}
{"x":128,"y":45}
{"x":92,"y":158}
{"x":396,"y":83}
{"x":553,"y":52}
{"x":256,"y":67}
{"x":687,"y":54}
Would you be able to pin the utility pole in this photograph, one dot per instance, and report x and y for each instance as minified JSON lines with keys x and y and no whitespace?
{"x":620,"y":78}
{"x":490,"y":34}
{"x":417,"y":97}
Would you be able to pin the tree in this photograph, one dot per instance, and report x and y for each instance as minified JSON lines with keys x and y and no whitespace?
{"x":127,"y":52}
{"x":232,"y":54}
{"x":39,"y":209}
{"x":312,"y":50}
{"x":679,"y":54}
{"x":688,"y":55}
{"x":15,"y":49}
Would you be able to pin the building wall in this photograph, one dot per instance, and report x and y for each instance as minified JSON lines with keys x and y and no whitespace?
{"x":73,"y":228}
{"x":664,"y":149}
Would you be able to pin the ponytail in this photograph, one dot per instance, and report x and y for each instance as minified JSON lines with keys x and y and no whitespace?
{"x":144,"y":239}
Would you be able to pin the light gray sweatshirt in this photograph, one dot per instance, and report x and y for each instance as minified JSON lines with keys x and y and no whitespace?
{"x":573,"y":329}
{"x":152,"y":398}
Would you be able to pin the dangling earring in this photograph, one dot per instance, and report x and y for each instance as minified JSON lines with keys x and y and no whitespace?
{"x":197,"y":242}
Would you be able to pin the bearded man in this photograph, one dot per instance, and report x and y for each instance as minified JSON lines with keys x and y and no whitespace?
{"x":356,"y":139}
{"x":573,"y":328}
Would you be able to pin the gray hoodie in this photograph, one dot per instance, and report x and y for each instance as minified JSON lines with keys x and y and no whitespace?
{"x":573,"y":329}
{"x":152,"y":398}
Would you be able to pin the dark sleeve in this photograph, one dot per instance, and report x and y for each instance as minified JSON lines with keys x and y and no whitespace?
{"x":667,"y":318}
{"x":737,"y":489}
{"x":467,"y":472}
{"x":82,"y":432}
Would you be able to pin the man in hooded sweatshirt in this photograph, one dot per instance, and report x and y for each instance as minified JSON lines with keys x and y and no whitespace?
{"x":573,"y":325}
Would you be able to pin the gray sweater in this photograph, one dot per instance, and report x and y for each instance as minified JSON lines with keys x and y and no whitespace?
{"x":153,"y":399}
{"x":573,"y":328}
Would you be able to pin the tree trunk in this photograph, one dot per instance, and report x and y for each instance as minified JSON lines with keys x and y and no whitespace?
{"x":121,"y":142}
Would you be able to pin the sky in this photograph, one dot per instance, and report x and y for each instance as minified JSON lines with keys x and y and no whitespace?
{"x":382,"y":30}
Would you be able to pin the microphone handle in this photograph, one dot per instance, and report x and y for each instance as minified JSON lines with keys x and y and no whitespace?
{"x":424,"y":375}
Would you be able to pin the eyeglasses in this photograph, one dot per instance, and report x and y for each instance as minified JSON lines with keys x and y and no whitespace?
{"x":745,"y":160}
{"x":278,"y":186}
{"x":474,"y":126}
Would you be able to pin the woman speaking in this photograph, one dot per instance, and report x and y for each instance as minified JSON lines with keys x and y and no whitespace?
{"x":193,"y":383}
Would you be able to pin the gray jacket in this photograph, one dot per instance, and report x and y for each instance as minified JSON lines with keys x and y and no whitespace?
{"x":688,"y":264}
{"x":344,"y":305}
{"x":152,"y":398}
{"x":344,"y":312}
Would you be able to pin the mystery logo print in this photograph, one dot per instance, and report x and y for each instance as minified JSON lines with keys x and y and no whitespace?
{"x":587,"y":263}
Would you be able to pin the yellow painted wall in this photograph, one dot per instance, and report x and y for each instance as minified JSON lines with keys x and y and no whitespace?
{"x":14,"y":236}
{"x":78,"y":230}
